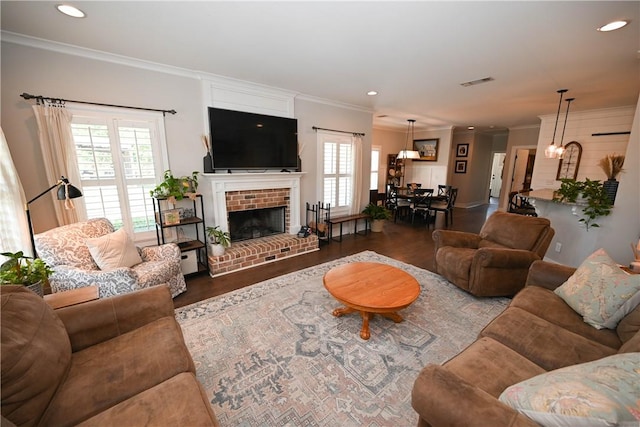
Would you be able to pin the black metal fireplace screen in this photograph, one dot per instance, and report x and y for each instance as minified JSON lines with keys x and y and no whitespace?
{"x":252,"y":224}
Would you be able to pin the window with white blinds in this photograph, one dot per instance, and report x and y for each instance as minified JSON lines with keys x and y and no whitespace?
{"x":375,"y":166}
{"x":337,"y":176}
{"x":120,"y":159}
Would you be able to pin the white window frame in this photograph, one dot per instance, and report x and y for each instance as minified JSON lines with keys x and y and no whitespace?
{"x":324,"y":137}
{"x":375,"y":168}
{"x":113,"y":117}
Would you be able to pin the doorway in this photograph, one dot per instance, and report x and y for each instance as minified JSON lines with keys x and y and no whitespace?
{"x":523,"y":170}
{"x":497,"y":169}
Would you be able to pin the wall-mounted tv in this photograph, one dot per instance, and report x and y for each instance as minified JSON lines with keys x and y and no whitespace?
{"x":244,"y":141}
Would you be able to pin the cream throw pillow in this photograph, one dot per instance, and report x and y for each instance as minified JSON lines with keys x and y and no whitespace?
{"x":601,"y":291}
{"x":605,"y":392}
{"x":113,"y":250}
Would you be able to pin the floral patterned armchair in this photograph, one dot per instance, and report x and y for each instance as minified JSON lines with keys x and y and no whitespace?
{"x":65,"y":250}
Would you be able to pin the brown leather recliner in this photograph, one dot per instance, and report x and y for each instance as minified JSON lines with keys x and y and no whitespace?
{"x":494,"y":262}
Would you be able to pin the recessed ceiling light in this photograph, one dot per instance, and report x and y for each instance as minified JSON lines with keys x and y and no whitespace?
{"x":70,"y":11}
{"x":372,"y":93}
{"x":611,"y":26}
{"x":471,"y":127}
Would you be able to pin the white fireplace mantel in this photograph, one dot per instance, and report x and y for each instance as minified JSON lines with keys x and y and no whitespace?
{"x":221,"y":183}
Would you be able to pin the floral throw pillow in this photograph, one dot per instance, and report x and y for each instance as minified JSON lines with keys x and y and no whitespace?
{"x":600,"y":291}
{"x":605,"y":392}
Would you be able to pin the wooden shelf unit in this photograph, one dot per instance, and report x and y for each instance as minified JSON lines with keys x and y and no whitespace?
{"x":198,"y":244}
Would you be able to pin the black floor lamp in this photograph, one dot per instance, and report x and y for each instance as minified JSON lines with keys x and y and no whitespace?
{"x":66,"y":192}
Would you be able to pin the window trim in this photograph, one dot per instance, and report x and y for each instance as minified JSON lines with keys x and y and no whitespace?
{"x":340,"y":138}
{"x":112,"y":116}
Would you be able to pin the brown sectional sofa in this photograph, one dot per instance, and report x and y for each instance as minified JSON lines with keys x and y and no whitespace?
{"x":537,"y":333}
{"x":114,"y":361}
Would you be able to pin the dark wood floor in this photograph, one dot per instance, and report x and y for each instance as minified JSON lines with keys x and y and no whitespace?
{"x":402,"y":241}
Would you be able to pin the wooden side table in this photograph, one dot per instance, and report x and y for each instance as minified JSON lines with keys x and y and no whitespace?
{"x":72,"y":297}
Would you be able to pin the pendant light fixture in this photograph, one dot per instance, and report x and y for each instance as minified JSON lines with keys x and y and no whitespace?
{"x":407,"y":153}
{"x":560,"y":149}
{"x":550,"y":151}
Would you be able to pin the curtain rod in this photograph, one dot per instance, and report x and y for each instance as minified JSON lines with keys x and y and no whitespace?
{"x":341,"y":131}
{"x":611,"y":133}
{"x":41,"y":98}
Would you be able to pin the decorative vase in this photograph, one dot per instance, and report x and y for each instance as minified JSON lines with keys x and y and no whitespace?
{"x":611,"y":188}
{"x":36,"y":288}
{"x":377,"y":225}
{"x":217,"y":250}
{"x":207,"y":163}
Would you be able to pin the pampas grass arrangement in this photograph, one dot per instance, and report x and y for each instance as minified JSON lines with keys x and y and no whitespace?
{"x":612,"y":165}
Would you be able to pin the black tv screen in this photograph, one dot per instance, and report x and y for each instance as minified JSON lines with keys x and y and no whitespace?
{"x":241,"y":140}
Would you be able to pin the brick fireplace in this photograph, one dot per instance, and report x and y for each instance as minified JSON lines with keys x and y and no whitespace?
{"x":240,"y":192}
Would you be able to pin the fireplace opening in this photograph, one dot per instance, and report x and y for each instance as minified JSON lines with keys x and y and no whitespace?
{"x":252,"y":224}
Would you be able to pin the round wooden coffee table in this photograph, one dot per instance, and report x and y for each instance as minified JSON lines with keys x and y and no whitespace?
{"x":371,"y":288}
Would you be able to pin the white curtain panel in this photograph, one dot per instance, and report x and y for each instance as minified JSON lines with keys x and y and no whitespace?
{"x":357,"y":174}
{"x":14,"y":229}
{"x":58,"y":152}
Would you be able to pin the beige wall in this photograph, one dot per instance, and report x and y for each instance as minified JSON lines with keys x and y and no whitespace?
{"x":42,"y":72}
{"x":49,"y":73}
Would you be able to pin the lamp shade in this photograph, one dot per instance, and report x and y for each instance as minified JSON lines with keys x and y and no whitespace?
{"x":551,"y":152}
{"x":408,"y":154}
{"x":65,"y":187}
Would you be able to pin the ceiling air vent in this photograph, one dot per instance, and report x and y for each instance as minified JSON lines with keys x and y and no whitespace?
{"x":477,"y":82}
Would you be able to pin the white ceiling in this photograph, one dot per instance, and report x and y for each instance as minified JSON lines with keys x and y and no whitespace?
{"x":415,"y":54}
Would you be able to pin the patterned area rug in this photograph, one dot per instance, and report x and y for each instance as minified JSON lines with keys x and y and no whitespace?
{"x":272,"y":354}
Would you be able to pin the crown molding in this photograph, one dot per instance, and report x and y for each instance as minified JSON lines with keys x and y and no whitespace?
{"x":97,"y":55}
{"x":332,"y":103}
{"x":68,"y":49}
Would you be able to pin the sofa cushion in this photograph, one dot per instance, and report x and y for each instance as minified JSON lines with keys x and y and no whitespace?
{"x":179,"y":401}
{"x":515,"y":231}
{"x":545,"y":304}
{"x":601,"y":291}
{"x":35,"y":357}
{"x":629,"y":325}
{"x":113,"y":250}
{"x":545,"y":344}
{"x":600,"y":393}
{"x":110,"y":372}
{"x":492,"y":366}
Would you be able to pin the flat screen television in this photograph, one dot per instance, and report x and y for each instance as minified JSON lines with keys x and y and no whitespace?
{"x":249,"y":141}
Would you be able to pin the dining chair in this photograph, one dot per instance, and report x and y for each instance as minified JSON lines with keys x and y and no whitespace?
{"x":519,"y":205}
{"x":421,"y":204}
{"x":443,"y":190}
{"x":399,"y":206}
{"x":446,"y":206}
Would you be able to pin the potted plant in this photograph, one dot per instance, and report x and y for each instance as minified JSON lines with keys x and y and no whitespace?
{"x":173,"y":188}
{"x":378,"y":214}
{"x":590,"y":194}
{"x":22,"y":270}
{"x":218,"y":239}
{"x":611,"y":166}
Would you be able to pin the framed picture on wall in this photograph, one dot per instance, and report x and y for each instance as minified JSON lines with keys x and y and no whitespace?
{"x":463,"y":150}
{"x":461,"y":166}
{"x":428,"y":149}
